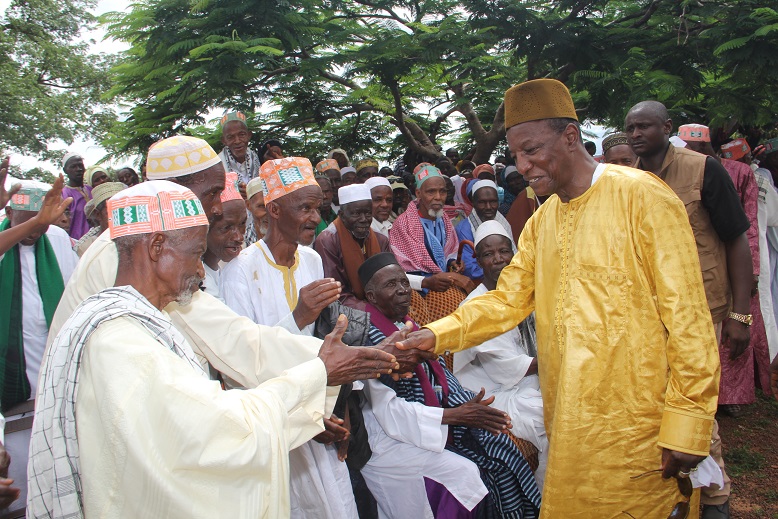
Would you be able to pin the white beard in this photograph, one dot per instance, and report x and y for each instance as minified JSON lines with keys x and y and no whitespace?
{"x":435,"y":214}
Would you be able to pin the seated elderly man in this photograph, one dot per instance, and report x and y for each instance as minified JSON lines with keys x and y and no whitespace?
{"x":425,"y":222}
{"x":124,"y":406}
{"x":96,"y":212}
{"x":348,"y":241}
{"x":226,"y":234}
{"x":426,"y":432}
{"x":485,"y":203}
{"x":506,"y":366}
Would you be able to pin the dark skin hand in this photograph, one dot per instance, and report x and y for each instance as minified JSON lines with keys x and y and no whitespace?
{"x":346,"y":364}
{"x":674,"y":461}
{"x":439,"y":282}
{"x":477,"y":413}
{"x":741,"y":281}
{"x":8,"y":494}
{"x":343,"y":444}
{"x":334,"y":431}
{"x":423,"y":339}
{"x":5,"y":196}
{"x":314,"y":298}
{"x":407,"y":359}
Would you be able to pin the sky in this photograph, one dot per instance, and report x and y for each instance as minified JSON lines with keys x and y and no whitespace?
{"x":91,"y":150}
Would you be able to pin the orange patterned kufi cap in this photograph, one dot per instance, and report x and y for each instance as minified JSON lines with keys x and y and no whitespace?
{"x":154,"y":206}
{"x":326,"y":165}
{"x":231,"y":188}
{"x":284,"y":176}
{"x":538,"y":99}
{"x":694,"y":133}
{"x":735,"y":150}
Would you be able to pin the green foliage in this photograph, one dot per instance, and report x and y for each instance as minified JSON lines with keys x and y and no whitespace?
{"x":377,"y":76}
{"x":32,"y":174}
{"x":50,"y":85}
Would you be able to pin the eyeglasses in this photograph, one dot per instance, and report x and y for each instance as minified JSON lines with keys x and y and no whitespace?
{"x":681,"y":509}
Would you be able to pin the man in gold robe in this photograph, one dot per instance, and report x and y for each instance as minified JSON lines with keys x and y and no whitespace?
{"x":627,"y":355}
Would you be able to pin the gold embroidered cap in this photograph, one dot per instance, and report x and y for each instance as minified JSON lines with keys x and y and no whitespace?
{"x":538,"y":99}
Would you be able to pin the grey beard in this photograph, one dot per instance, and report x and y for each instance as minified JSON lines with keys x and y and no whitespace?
{"x":435,"y":214}
{"x":185,"y":298}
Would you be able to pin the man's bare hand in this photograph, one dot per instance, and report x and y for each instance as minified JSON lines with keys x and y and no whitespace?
{"x":314,"y":298}
{"x":674,"y":461}
{"x":242,"y":189}
{"x":53,"y":205}
{"x":5,"y":196}
{"x":439,"y":282}
{"x":333,"y":431}
{"x":8,"y":494}
{"x":423,"y":339}
{"x":477,"y":413}
{"x":347,"y":364}
{"x":739,"y":336}
{"x":408,"y":359}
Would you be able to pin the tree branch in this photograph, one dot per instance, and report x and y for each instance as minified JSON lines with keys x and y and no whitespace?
{"x":466,"y":108}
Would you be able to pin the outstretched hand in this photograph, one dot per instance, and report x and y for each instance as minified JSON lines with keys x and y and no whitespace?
{"x":423,"y":339}
{"x":407,"y":359}
{"x":346,"y":364}
{"x":315,"y":297}
{"x":5,"y":196}
{"x":477,"y":413}
{"x":53,"y":205}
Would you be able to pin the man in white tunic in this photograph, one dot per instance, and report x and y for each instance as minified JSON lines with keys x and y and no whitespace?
{"x":128,"y":423}
{"x":225,"y":235}
{"x":507,"y":365}
{"x":36,"y":260}
{"x":277,"y":282}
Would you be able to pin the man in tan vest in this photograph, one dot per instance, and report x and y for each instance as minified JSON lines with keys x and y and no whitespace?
{"x":719,"y":225}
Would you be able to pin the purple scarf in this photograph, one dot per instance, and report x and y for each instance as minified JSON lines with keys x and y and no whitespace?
{"x":387,"y":327}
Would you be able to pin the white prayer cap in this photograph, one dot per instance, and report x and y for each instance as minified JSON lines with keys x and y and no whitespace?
{"x":489,"y":228}
{"x":347,"y":169}
{"x":375,"y":182}
{"x":179,"y":156}
{"x":255,"y":185}
{"x":482,"y":183}
{"x":69,"y":156}
{"x":353,"y":193}
{"x":677,"y":142}
{"x":151,"y":206}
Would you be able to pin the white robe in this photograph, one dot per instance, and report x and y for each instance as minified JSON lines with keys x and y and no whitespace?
{"x":500,"y":366}
{"x":211,"y":281}
{"x":158,"y":440}
{"x":241,"y":350}
{"x":767,"y":216}
{"x":408,"y":441}
{"x":255,"y":286}
{"x":35,"y":331}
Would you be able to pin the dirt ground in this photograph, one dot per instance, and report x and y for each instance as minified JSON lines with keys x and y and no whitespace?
{"x":751,"y":457}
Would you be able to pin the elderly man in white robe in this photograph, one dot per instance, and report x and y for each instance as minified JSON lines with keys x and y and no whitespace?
{"x":277,"y":282}
{"x":128,"y":423}
{"x":507,"y":365}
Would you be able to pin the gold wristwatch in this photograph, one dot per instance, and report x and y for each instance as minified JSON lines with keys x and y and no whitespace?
{"x":746,"y":319}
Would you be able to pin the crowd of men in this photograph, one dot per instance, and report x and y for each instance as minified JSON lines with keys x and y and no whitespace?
{"x":251,"y":334}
